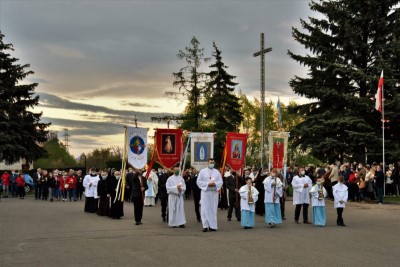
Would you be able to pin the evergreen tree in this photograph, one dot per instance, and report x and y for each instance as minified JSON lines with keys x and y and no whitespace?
{"x":21,"y":132}
{"x":350,"y":42}
{"x":192,"y":80}
{"x":221,"y":106}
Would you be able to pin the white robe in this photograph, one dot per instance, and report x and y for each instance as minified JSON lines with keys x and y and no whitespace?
{"x":90,"y":185}
{"x":151,"y":193}
{"x":209,"y":196}
{"x":340,"y":192}
{"x":269,"y":189}
{"x":244,"y":195}
{"x":176,"y":210}
{"x":301,"y":195}
{"x":315,"y":202}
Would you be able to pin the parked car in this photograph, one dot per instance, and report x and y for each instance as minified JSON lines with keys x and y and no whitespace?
{"x":29,"y":185}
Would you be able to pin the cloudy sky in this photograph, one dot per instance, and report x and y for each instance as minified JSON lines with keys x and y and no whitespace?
{"x":100,"y":63}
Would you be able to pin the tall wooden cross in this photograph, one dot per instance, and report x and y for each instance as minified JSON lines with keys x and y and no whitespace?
{"x":262,"y":53}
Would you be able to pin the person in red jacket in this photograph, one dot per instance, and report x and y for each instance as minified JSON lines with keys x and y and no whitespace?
{"x":71,"y":182}
{"x":6,"y":183}
{"x":63,"y":186}
{"x":20,"y":180}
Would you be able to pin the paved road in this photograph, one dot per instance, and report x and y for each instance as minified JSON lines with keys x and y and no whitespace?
{"x":37,"y":233}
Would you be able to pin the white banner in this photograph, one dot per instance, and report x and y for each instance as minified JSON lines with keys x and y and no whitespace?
{"x":202,"y":148}
{"x":136,"y":140}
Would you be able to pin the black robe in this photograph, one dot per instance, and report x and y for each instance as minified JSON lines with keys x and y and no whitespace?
{"x":260,"y":207}
{"x":117,"y":206}
{"x":104,"y":201}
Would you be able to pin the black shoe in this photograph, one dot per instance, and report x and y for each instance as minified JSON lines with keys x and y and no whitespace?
{"x":205,"y":230}
{"x":229,"y":219}
{"x":182,"y":226}
{"x":198,"y":220}
{"x":174,"y":226}
{"x":138,"y":223}
{"x":306,"y":222}
{"x":164,"y":220}
{"x":211,"y":229}
{"x":247,"y":227}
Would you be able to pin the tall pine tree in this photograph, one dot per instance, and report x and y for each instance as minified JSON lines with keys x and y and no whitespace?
{"x":350,"y":42}
{"x":221,"y":106}
{"x":191,"y":80}
{"x":21,"y":132}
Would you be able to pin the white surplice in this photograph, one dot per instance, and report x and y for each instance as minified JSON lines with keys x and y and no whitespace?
{"x":340,"y":192}
{"x":176,"y":210}
{"x":244,"y":196}
{"x":209,"y":196}
{"x":301,"y":195}
{"x":90,"y":185}
{"x":269,"y":189}
{"x":315,"y":202}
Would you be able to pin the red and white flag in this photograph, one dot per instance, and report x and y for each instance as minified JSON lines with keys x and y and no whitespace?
{"x":378,"y":96}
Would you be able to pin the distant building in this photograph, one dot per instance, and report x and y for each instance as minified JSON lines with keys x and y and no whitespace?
{"x":20,"y":165}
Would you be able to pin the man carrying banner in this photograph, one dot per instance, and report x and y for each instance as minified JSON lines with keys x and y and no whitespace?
{"x":210,"y":182}
{"x":234,"y":182}
{"x":138,"y":186}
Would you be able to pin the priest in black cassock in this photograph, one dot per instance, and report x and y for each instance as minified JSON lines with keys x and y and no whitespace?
{"x":114,"y":187}
{"x":260,"y":206}
{"x":104,"y":200}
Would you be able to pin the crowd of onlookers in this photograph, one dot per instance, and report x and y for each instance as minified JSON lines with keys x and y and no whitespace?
{"x":365,"y":182}
{"x":48,"y":185}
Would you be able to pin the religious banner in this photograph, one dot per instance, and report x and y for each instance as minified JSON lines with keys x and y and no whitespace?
{"x":169,"y":145}
{"x":136,"y":146}
{"x":277,"y":143}
{"x":235,"y":150}
{"x":202,"y":148}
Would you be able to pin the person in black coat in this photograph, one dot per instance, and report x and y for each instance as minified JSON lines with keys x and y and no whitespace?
{"x":196,"y":194}
{"x":233,"y":184}
{"x":104,"y":200}
{"x":113,"y":187}
{"x":223,"y":200}
{"x":260,"y":207}
{"x":162,"y":193}
{"x":139,"y":186}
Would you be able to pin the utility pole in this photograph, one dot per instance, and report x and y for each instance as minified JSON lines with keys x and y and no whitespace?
{"x":262,"y":53}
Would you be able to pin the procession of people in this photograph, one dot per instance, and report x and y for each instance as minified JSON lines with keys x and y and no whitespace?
{"x":260,"y":193}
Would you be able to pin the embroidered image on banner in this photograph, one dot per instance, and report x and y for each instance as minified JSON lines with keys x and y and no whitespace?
{"x":278,"y":143}
{"x":235,"y":150}
{"x":169,"y":147}
{"x":202,"y":148}
{"x":136,"y":140}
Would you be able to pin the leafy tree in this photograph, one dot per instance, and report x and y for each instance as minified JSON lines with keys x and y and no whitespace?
{"x":57,"y":156}
{"x":350,"y":42}
{"x":192,"y":80}
{"x":221,"y":105}
{"x":21,"y":132}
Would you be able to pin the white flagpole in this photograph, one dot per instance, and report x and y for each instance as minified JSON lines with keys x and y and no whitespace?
{"x":383,"y":142}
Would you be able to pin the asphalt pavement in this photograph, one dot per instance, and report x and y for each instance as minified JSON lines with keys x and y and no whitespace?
{"x":40,"y":233}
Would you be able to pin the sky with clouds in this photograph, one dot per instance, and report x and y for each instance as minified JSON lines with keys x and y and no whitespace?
{"x":100,"y":63}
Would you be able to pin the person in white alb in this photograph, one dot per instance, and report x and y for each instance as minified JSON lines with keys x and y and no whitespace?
{"x":318,"y":195}
{"x":301,"y":195}
{"x":176,"y":188}
{"x":210,"y":182}
{"x":340,"y":195}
